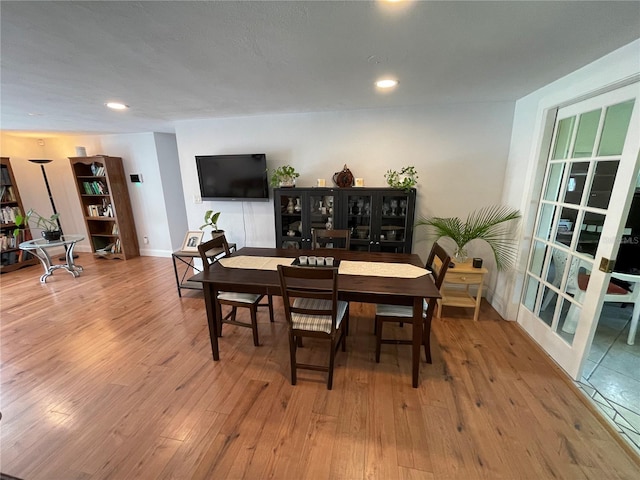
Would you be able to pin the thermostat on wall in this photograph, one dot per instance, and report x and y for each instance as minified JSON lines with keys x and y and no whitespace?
{"x":136,"y":178}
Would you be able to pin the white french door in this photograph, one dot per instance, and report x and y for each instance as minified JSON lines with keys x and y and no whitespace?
{"x":588,"y":185}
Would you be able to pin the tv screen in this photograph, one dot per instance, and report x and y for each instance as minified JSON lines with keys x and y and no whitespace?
{"x":233,"y":177}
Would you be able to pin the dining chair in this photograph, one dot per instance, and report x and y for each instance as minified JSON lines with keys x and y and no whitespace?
{"x":234,"y":299}
{"x":438,"y":263}
{"x":330,"y":238}
{"x":312,"y":309}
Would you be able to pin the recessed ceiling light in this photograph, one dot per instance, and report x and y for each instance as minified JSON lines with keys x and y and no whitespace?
{"x":116,"y":105}
{"x":386,"y":83}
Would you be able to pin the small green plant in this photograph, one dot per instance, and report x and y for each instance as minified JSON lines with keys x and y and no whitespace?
{"x":210,"y":220}
{"x":49,"y":224}
{"x":284,"y":175}
{"x":405,"y":179}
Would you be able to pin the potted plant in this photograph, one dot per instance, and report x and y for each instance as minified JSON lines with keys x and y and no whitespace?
{"x":211,"y":220}
{"x":491,"y":224}
{"x":50,"y":226}
{"x":405,"y":179}
{"x":284,"y":176}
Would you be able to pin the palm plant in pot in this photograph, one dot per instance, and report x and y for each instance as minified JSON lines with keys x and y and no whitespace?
{"x":211,"y":220}
{"x":50,"y":226}
{"x":493,"y":224}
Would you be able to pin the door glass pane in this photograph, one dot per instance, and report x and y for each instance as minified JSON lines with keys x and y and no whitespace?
{"x":537,"y":258}
{"x":291,"y":221}
{"x":563,"y":137}
{"x":546,"y":220}
{"x":576,"y":182}
{"x":553,"y":182}
{"x":576,"y":277}
{"x":557,"y":266}
{"x":360,"y":220}
{"x":530,"y":293}
{"x":616,"y":124}
{"x":394,"y":218}
{"x":548,"y":306}
{"x":590,"y":233}
{"x":566,"y":223}
{"x":602,"y":184}
{"x":568,"y":320}
{"x":586,"y":134}
{"x":321,"y":211}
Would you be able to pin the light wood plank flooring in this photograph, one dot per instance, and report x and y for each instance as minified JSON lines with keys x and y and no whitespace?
{"x":110,"y":375}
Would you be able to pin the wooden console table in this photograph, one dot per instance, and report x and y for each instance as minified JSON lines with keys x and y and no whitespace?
{"x":455,"y":289}
{"x":186,"y":258}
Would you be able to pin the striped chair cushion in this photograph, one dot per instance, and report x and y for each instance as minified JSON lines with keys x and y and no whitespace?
{"x":238,"y":297}
{"x":316,"y":323}
{"x":403,"y":311}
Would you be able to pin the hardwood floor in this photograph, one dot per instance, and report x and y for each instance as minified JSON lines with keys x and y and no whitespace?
{"x":110,"y":375}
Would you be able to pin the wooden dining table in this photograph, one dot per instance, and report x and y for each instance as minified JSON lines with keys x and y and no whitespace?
{"x":366,"y":288}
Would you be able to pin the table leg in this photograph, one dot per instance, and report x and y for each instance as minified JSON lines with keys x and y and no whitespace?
{"x":45,"y":260}
{"x":175,"y":270}
{"x":417,"y":340}
{"x":213,"y":307}
{"x":71,"y":266}
{"x":476,"y":314}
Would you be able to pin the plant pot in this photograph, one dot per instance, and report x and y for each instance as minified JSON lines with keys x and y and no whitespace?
{"x":217,"y":233}
{"x":51,"y":235}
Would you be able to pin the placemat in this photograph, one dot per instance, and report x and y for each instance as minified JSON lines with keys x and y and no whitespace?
{"x":255,"y":263}
{"x":381,"y":269}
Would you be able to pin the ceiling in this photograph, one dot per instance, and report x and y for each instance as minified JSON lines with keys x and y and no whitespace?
{"x":171,"y":61}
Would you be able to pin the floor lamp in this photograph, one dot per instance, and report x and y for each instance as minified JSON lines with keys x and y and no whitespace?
{"x":42,"y":162}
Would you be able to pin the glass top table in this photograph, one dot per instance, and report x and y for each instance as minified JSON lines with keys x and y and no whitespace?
{"x":39,"y":247}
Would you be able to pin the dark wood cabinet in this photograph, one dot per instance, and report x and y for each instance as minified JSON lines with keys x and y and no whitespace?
{"x":11,"y":257}
{"x":102,"y":189}
{"x":379,"y":219}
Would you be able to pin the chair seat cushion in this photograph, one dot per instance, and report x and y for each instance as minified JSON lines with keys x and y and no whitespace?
{"x":612,"y":289}
{"x":239,"y":297}
{"x":316,"y":323}
{"x":402,"y":311}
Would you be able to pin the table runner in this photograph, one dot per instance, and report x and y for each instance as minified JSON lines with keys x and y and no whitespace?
{"x":255,"y":263}
{"x":381,"y":269}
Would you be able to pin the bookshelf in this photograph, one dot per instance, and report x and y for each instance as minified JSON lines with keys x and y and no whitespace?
{"x":102,"y":189}
{"x":11,"y":257}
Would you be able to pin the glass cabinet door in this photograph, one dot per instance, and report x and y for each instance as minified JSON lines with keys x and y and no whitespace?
{"x":393,"y":222}
{"x":320,"y":208}
{"x":359,"y":207}
{"x":291,"y":214}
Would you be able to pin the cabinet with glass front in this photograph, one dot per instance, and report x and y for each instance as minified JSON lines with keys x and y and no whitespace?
{"x":379,"y":219}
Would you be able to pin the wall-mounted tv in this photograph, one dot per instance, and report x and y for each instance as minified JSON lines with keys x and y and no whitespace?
{"x":233,"y":177}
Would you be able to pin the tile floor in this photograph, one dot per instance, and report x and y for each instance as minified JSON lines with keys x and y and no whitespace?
{"x":611,"y":377}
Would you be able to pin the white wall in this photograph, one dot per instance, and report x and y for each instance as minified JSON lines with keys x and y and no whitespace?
{"x":527,"y":160}
{"x":459,"y":150}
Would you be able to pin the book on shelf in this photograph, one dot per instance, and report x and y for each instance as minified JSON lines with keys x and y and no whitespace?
{"x":4,"y":178}
{"x":97,"y":170}
{"x":8,"y":214}
{"x":7,"y":194}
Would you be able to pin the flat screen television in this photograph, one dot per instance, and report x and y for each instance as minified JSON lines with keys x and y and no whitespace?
{"x":233,"y":177}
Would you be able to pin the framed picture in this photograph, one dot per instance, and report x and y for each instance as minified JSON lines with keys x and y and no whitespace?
{"x":192,"y":239}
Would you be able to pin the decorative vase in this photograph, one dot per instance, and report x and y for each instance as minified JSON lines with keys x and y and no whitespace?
{"x":290,"y":206}
{"x":460,"y":255}
{"x":298,"y":207}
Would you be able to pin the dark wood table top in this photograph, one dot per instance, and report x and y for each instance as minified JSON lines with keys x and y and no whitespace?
{"x":352,"y":287}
